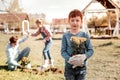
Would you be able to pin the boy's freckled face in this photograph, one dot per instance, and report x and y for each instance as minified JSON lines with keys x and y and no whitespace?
{"x":75,"y":22}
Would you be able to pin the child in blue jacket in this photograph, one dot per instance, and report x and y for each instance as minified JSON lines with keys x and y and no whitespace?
{"x":78,"y":72}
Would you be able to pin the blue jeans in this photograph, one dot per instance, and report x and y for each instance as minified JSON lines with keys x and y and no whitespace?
{"x":24,"y":53}
{"x":46,"y":50}
{"x":75,"y":74}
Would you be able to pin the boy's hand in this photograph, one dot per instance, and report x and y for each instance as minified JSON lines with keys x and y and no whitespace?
{"x":26,"y":33}
{"x":44,"y":40}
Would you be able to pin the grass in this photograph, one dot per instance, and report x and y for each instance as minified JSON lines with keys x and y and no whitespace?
{"x":103,"y":65}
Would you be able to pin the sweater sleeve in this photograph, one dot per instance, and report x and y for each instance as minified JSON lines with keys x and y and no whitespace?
{"x":64,"y":49}
{"x":89,"y":48}
{"x":37,"y":32}
{"x":11,"y":58}
{"x":22,"y":39}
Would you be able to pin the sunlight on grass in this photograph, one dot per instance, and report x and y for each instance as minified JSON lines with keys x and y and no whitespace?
{"x":103,"y":65}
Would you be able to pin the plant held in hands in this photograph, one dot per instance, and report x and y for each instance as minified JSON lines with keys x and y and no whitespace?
{"x":25,"y":63}
{"x":78,"y":47}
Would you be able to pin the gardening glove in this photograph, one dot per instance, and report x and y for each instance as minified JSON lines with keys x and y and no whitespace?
{"x":77,"y":60}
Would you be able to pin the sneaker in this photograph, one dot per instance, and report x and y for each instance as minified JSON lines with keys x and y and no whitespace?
{"x":12,"y":67}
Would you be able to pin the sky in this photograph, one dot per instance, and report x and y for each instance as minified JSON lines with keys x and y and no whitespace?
{"x":53,"y":8}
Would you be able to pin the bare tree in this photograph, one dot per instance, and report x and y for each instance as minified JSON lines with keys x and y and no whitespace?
{"x":11,"y":6}
{"x":14,"y":7}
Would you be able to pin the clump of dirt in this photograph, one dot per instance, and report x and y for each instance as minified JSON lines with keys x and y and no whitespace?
{"x":39,"y":72}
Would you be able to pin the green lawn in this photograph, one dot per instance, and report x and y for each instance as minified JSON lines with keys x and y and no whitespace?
{"x":103,"y":65}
